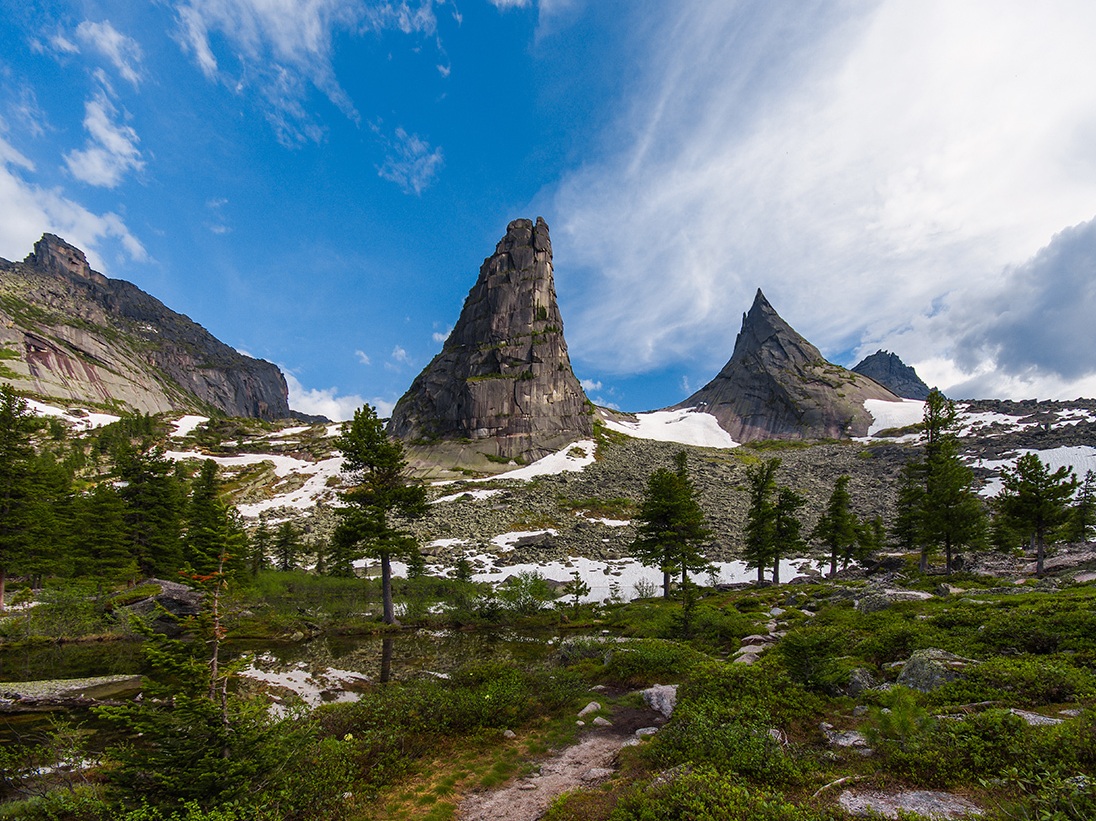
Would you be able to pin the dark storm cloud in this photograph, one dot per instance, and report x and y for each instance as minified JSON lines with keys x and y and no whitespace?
{"x":1044,"y":319}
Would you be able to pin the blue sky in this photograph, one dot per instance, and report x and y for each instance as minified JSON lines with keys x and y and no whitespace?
{"x":318,"y":181}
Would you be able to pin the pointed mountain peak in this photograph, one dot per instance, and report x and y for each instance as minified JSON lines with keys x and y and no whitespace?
{"x":892,"y":373}
{"x":777,"y":385}
{"x":503,"y":379}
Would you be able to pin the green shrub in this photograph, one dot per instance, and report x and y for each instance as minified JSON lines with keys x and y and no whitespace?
{"x":813,"y":657}
{"x":704,"y":794}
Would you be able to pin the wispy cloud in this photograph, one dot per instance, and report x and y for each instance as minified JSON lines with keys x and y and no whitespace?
{"x":409,"y":161}
{"x":26,"y":210}
{"x":860,"y":163}
{"x":285,"y":49}
{"x":111,"y":150}
{"x":363,"y":357}
{"x":124,"y":53}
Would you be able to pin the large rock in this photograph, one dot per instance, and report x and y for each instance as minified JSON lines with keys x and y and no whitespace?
{"x":503,"y":378}
{"x":928,"y":669}
{"x":777,"y":385}
{"x":79,"y":337}
{"x":893,"y":374}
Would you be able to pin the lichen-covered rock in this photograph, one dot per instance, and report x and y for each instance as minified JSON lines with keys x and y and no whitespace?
{"x":777,"y":385}
{"x":503,"y":378}
{"x":928,"y":669}
{"x":81,"y":337}
{"x":893,"y":374}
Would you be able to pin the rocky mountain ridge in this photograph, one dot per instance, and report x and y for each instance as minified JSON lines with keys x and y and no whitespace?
{"x":71,"y":334}
{"x":502,"y":386}
{"x":892,"y":373}
{"x":777,"y":385}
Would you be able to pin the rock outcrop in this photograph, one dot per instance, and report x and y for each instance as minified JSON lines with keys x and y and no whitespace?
{"x":503,"y":379}
{"x":893,"y":374}
{"x":70,"y":334}
{"x":777,"y":385}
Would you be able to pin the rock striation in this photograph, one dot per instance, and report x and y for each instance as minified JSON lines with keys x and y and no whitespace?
{"x":70,"y":334}
{"x":893,"y":374}
{"x":777,"y":385}
{"x":503,"y":379}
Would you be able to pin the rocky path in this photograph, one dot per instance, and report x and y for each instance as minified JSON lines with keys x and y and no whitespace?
{"x":584,"y":764}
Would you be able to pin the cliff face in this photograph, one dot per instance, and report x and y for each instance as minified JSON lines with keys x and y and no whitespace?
{"x":503,"y":378}
{"x":894,"y":375}
{"x":777,"y":385}
{"x":71,"y":334}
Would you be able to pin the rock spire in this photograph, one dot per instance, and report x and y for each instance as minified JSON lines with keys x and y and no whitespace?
{"x":503,"y":378}
{"x":777,"y":385}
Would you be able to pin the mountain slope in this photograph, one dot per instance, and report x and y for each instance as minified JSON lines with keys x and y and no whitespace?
{"x":70,"y":334}
{"x":777,"y":385}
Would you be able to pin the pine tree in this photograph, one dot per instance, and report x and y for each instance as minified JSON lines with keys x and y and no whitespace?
{"x":760,"y":534}
{"x":837,"y":529}
{"x":951,"y":513}
{"x":259,"y":548}
{"x":379,"y":492}
{"x":671,"y":525}
{"x":1035,"y":500}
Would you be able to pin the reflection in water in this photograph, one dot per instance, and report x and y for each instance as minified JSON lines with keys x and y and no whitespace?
{"x":387,"y":645}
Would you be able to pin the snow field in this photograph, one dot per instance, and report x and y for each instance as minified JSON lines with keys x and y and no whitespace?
{"x":685,"y":427}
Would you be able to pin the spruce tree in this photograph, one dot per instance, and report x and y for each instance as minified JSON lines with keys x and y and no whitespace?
{"x":379,"y":494}
{"x":760,"y":534}
{"x":1082,"y":516}
{"x":286,"y":547}
{"x":837,"y":529}
{"x":213,"y":534}
{"x":787,"y":526}
{"x":671,"y":525}
{"x":154,"y":500}
{"x":103,"y":549}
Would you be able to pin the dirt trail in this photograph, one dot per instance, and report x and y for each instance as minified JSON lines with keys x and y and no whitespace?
{"x":584,"y":764}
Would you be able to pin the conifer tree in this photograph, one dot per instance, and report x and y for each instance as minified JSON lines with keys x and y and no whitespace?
{"x":103,"y":550}
{"x":1082,"y":516}
{"x":837,"y":529}
{"x":213,"y":535}
{"x":671,"y":525}
{"x":286,"y":547}
{"x":379,"y":493}
{"x":1035,"y":500}
{"x":760,"y":534}
{"x":154,"y":500}
{"x":259,"y":547}
{"x":17,"y":502}
{"x":787,"y":526}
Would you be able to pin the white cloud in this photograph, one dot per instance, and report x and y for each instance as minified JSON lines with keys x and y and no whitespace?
{"x":27,"y":211}
{"x":63,"y":45}
{"x":589,"y":385}
{"x":865,"y":165}
{"x":410,"y":162}
{"x":284,"y":48}
{"x":123,"y":52}
{"x":510,"y":4}
{"x":327,"y":402}
{"x":111,"y":149}
{"x":400,"y":355}
{"x":441,"y":336}
{"x":363,"y":357}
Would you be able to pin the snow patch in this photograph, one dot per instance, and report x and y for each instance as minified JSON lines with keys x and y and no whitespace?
{"x":886,"y":414}
{"x":571,"y":459}
{"x":1080,"y":459}
{"x":82,"y":419}
{"x":685,"y":427}
{"x":506,"y":541}
{"x":187,"y":425}
{"x":473,"y":494}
